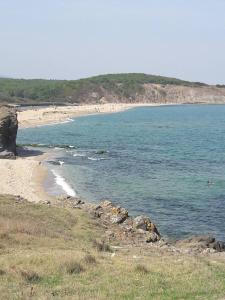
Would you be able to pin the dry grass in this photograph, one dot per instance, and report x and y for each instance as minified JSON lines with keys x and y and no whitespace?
{"x":101,"y":246}
{"x":56,"y":260}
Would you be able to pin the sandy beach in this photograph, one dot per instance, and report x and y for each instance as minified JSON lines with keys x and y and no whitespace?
{"x":25,"y":175}
{"x":56,"y":114}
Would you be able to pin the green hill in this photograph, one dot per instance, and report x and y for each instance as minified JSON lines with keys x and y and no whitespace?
{"x":74,"y":91}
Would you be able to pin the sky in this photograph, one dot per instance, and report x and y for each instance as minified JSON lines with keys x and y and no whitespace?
{"x":71,"y":39}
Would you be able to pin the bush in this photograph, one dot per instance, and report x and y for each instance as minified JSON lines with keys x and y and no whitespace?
{"x":101,"y":246}
{"x":89,"y":259}
{"x":73,"y":267}
{"x":141,"y":269}
{"x":30,"y":276}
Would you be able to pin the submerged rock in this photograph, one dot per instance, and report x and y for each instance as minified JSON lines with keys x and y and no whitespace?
{"x":8,"y":132}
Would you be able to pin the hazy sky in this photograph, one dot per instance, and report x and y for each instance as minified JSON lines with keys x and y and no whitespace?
{"x":70,"y":39}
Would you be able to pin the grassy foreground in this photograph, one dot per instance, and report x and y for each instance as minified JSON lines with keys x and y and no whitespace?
{"x":54,"y":253}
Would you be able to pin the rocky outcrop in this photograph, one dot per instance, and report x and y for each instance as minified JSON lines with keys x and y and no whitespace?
{"x":202,"y":243}
{"x":139,"y":231}
{"x":117,"y":222}
{"x":8,"y":132}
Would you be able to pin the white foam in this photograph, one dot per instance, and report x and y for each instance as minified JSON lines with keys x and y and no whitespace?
{"x":63,"y":184}
{"x":94,"y":158}
{"x":78,"y":154}
{"x":68,"y":120}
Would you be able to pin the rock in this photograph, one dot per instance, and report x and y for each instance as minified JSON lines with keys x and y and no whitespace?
{"x":205,"y":239}
{"x":118,"y":219}
{"x":100,"y":152}
{"x":119,"y":215}
{"x":152,"y":237}
{"x":202,"y":243}
{"x":218,"y":246}
{"x":54,"y":162}
{"x":106,"y":204}
{"x":8,"y":132}
{"x":142,"y":222}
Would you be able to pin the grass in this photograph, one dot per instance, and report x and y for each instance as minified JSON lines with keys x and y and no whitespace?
{"x":48,"y":253}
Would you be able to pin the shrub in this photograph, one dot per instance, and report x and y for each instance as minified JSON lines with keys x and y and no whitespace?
{"x":101,"y":246}
{"x":141,"y":269}
{"x":89,"y":259}
{"x":30,"y":276}
{"x":73,"y":267}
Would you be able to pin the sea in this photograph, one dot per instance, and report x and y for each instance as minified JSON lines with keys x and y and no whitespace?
{"x":167,"y":162}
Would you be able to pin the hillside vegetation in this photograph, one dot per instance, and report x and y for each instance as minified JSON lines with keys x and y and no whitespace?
{"x":49,"y":252}
{"x":75,"y":91}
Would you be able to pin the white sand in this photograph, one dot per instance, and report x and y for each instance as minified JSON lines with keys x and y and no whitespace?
{"x":41,"y":116}
{"x":24,"y":177}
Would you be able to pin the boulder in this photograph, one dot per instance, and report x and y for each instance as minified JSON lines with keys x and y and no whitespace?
{"x":8,"y":132}
{"x":142,"y":222}
{"x":119,"y":215}
{"x":152,"y":237}
{"x":218,"y":246}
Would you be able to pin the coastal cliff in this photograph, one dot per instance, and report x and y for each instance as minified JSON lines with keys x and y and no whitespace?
{"x":8,"y":132}
{"x":155,"y":93}
{"x":111,"y":88}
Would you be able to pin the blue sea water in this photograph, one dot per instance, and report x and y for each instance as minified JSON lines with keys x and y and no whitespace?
{"x":167,"y":162}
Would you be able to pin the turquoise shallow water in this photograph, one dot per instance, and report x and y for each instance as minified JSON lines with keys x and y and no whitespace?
{"x":152,"y":160}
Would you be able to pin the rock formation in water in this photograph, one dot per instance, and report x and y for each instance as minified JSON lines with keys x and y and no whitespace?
{"x":8,"y":132}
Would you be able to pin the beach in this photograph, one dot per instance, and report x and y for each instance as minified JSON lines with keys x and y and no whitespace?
{"x":55,"y":114}
{"x":25,"y":175}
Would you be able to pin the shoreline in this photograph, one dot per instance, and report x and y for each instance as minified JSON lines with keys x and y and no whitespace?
{"x":25,"y":176}
{"x":32,"y":187}
{"x":60,"y":114}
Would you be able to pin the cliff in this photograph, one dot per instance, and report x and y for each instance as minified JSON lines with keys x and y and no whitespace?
{"x":8,"y":132}
{"x":127,"y":88}
{"x":156,"y":93}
